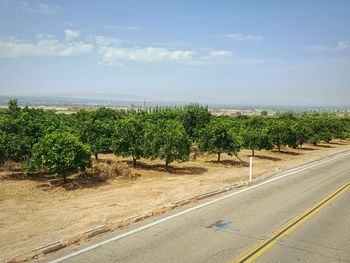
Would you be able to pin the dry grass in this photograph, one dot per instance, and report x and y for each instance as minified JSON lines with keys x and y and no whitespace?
{"x":103,"y":171}
{"x":11,"y":166}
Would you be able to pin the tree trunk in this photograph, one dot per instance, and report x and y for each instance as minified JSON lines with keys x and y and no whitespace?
{"x":166,"y":164}
{"x":236,"y":154}
{"x":253,"y":152}
{"x":65,"y":178}
{"x":134,"y":161}
{"x":96,"y":156}
{"x":279,"y":148}
{"x":219,"y":157}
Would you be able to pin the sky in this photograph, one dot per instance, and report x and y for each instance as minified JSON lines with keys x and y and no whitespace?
{"x":268,"y":52}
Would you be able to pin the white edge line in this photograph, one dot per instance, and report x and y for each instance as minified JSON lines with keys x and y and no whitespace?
{"x":317,"y":163}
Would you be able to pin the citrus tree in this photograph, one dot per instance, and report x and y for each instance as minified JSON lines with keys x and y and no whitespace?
{"x":96,"y":129}
{"x":194,"y":118}
{"x":128,"y":138}
{"x":219,"y":137}
{"x":256,"y":139}
{"x":166,"y":140}
{"x":282,"y":133}
{"x":60,"y":153}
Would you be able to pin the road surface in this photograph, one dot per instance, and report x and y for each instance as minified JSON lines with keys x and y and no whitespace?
{"x":299,"y":216}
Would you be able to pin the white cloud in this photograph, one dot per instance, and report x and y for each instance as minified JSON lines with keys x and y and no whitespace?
{"x":112,"y":54}
{"x":174,"y":44}
{"x":71,"y":34}
{"x":126,"y":28}
{"x":316,"y":48}
{"x":112,"y":51}
{"x":343,"y":44}
{"x":106,"y":41}
{"x":220,"y":53}
{"x":241,"y":38}
{"x":43,"y":46}
{"x":131,"y":28}
{"x":38,"y":7}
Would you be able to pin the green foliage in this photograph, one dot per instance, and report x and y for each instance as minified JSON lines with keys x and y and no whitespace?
{"x":60,"y":153}
{"x":219,"y":137}
{"x":3,"y":147}
{"x":254,"y":133}
{"x":159,"y":132}
{"x":96,"y":129}
{"x":25,"y":130}
{"x":128,"y":138}
{"x":282,"y":133}
{"x":194,"y":118}
{"x":13,"y":108}
{"x":256,"y":139}
{"x":165,"y":114}
{"x":263,"y":113}
{"x":321,"y":129}
{"x":12,"y":147}
{"x":167,"y":140}
{"x":304,"y":133}
{"x":337,"y":128}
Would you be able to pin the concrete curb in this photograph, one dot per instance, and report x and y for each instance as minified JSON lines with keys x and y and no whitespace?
{"x":52,"y":247}
{"x":38,"y":251}
{"x":95,"y":231}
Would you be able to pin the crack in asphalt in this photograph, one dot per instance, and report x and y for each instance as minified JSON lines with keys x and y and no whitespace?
{"x":312,"y":252}
{"x":319,"y":245}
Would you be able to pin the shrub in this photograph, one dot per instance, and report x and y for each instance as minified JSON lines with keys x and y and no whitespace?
{"x":61,"y":153}
{"x":101,"y":171}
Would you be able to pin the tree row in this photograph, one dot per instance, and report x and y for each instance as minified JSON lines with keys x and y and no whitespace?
{"x":63,"y":144}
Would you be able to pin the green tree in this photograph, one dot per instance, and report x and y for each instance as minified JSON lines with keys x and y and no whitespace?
{"x":166,"y":140}
{"x":282,"y":133}
{"x":60,"y":153}
{"x":218,"y":137}
{"x":96,"y":129}
{"x":128,"y":138}
{"x":304,"y":132}
{"x":194,"y":118}
{"x":256,"y":139}
{"x":263,"y":113}
{"x":13,"y":108}
{"x":3,"y":147}
{"x":12,"y":146}
{"x":321,"y":129}
{"x":32,"y":124}
{"x":337,"y":128}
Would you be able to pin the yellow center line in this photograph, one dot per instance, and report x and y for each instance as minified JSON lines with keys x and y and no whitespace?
{"x":266,"y":244}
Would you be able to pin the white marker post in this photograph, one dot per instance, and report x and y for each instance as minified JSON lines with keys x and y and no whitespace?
{"x":251,"y":169}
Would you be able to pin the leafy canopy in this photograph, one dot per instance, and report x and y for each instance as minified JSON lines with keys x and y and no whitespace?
{"x":128,"y":138}
{"x":218,"y":137}
{"x":167,"y":140}
{"x":61,"y":153}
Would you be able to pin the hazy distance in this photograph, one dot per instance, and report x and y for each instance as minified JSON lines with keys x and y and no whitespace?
{"x":227,"y":52}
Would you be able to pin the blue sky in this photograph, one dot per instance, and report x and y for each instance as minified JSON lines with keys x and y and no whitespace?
{"x":236,"y":52}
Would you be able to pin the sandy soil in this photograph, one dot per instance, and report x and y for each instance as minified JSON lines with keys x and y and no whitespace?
{"x":37,"y":211}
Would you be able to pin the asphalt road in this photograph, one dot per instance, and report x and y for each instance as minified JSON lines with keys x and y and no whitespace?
{"x":227,"y":229}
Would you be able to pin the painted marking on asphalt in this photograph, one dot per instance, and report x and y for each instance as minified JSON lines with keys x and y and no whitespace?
{"x":162,"y":220}
{"x":265,"y":245}
{"x":220,"y":225}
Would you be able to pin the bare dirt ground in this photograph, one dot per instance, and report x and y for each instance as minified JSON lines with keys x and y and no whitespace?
{"x":36,"y":211}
